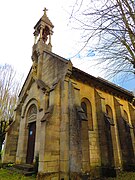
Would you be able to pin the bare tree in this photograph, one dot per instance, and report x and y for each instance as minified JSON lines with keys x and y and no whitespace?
{"x":110,"y":26}
{"x":9,"y":88}
{"x":134,"y":92}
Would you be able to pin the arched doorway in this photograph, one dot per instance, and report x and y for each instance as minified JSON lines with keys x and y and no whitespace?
{"x":31,"y":117}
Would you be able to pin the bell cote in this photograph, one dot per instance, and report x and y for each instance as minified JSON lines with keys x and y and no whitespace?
{"x":43,"y":32}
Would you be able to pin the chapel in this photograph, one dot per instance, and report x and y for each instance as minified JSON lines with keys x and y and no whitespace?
{"x":77,"y":125}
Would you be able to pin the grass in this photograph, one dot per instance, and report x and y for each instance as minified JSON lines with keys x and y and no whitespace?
{"x":10,"y":175}
{"x":124,"y":176}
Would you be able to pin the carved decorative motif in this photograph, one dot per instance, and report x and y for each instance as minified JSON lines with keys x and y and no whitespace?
{"x":32,"y":113}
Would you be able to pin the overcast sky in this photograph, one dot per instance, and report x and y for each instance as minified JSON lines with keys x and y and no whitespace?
{"x":18,"y":17}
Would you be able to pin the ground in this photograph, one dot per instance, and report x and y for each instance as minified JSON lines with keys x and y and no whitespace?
{"x":10,"y":175}
{"x":124,"y":176}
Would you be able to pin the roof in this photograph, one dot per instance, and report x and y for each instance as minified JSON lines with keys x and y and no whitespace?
{"x":97,"y":82}
{"x":45,"y":19}
{"x":102,"y":84}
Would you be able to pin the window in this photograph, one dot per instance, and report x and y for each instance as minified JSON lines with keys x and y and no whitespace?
{"x":108,"y":115}
{"x":84,"y":107}
{"x":87,"y":108}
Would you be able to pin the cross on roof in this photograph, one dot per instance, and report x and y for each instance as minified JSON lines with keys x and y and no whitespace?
{"x":45,"y":9}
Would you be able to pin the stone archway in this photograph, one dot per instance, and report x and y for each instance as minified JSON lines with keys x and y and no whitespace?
{"x":31,"y":117}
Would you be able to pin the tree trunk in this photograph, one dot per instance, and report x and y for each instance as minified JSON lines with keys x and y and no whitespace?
{"x":0,"y":144}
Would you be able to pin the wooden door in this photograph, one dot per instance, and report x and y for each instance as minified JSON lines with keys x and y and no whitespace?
{"x":31,"y":143}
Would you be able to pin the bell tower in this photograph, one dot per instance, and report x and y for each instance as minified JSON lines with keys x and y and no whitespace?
{"x":42,"y":42}
{"x":43,"y":31}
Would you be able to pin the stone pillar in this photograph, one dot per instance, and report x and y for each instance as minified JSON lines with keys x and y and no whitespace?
{"x":132,"y":129}
{"x":84,"y":137}
{"x":107,"y":138}
{"x":94,"y":146}
{"x":40,"y":97}
{"x":41,"y":167}
{"x":132,"y":122}
{"x":42,"y":136}
{"x":100,"y":106}
{"x":64,"y":131}
{"x":115,"y":141}
{"x":35,"y":36}
{"x":41,"y":32}
{"x":126,"y":146}
{"x":50,"y":39}
{"x":38,"y":136}
{"x":22,"y":142}
{"x":75,"y":133}
{"x":49,"y":166}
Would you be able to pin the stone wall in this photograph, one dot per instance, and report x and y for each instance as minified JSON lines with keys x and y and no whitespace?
{"x":11,"y":140}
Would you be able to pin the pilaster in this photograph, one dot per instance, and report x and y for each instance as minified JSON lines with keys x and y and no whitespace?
{"x":64,"y":131}
{"x":49,"y":158}
{"x":132,"y":122}
{"x":107,"y":138}
{"x":125,"y":139}
{"x":100,"y":107}
{"x":75,"y":132}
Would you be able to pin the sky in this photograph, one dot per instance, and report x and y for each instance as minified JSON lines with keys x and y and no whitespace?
{"x":17,"y":20}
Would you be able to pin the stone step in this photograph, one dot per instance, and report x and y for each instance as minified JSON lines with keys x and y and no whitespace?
{"x":25,"y":173}
{"x":25,"y":169}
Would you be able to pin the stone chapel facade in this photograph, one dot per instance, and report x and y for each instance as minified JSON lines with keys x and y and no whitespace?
{"x":78,"y":125}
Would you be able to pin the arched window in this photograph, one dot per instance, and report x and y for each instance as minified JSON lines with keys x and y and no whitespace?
{"x":87,"y":108}
{"x":109,"y":132}
{"x":84,"y":107}
{"x":85,"y":126}
{"x":45,"y":33}
{"x":109,"y":115}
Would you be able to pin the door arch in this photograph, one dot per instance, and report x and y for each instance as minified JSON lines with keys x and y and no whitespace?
{"x":31,"y":117}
